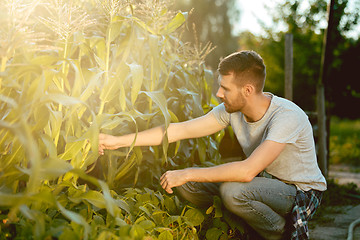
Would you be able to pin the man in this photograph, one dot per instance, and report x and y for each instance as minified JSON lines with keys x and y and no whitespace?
{"x":277,"y":139}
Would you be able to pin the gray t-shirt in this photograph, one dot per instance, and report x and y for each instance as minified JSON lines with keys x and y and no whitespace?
{"x":283,"y":122}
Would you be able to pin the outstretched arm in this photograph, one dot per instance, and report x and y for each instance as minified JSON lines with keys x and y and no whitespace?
{"x":194,"y":128}
{"x":239,"y":171}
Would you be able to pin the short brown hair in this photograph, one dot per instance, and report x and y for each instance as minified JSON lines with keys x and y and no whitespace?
{"x":246,"y":65}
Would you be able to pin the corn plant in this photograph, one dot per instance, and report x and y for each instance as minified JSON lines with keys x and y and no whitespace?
{"x":72,"y":69}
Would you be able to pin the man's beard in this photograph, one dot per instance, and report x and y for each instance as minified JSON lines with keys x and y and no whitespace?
{"x":234,"y":107}
{"x":228,"y":108}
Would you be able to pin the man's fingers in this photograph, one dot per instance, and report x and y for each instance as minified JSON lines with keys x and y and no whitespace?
{"x":166,"y":186}
{"x":164,"y":182}
{"x":101,"y":149}
{"x":162,"y":177}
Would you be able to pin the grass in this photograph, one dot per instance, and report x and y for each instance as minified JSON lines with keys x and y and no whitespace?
{"x":345,"y":141}
{"x":344,"y":150}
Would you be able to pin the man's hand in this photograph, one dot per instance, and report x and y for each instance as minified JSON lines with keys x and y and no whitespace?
{"x":107,"y":142}
{"x":172,"y":179}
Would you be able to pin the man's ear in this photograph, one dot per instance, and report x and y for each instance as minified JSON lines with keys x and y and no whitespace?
{"x":248,"y":90}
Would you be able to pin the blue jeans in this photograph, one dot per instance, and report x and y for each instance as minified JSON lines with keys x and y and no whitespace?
{"x":263,"y":203}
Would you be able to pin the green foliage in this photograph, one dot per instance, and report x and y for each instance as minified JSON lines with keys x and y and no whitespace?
{"x":221,"y":224}
{"x":70,"y":70}
{"x":133,"y":215}
{"x":344,"y":141}
{"x":340,"y":194}
{"x":344,"y":144}
{"x":344,"y":57}
{"x":307,"y":46}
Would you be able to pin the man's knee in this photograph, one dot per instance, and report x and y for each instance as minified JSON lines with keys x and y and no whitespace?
{"x":233,"y":194}
{"x":187,"y":190}
{"x":200,"y":194}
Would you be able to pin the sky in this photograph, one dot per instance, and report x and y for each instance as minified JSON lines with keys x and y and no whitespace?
{"x":251,"y":11}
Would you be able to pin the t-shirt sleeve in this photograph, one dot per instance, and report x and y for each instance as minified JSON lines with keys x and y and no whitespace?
{"x":221,"y":115}
{"x":285,"y":127}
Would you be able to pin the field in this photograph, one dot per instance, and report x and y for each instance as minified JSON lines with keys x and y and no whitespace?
{"x":71,"y":70}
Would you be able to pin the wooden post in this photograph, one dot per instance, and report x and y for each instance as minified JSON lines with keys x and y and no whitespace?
{"x":322,"y":134}
{"x":289,"y":66}
{"x":324,"y":73}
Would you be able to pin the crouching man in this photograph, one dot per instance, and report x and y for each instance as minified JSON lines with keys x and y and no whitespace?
{"x":277,"y":139}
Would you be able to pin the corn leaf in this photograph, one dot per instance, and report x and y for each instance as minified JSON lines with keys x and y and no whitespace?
{"x":46,"y":60}
{"x":137,"y":80}
{"x":175,"y":23}
{"x":110,"y":203}
{"x":115,"y":30}
{"x":71,"y":149}
{"x":61,"y":99}
{"x":53,"y":168}
{"x":160,"y":100}
{"x":111,"y":87}
{"x":8,"y":200}
{"x":143,"y":25}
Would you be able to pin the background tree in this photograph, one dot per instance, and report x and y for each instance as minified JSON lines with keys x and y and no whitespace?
{"x":306,"y":46}
{"x":343,"y":86}
{"x":307,"y":27}
{"x":212,"y":24}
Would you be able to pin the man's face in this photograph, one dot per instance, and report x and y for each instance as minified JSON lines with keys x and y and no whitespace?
{"x":230,"y":93}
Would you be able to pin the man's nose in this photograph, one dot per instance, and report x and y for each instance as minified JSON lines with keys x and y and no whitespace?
{"x":220,"y":93}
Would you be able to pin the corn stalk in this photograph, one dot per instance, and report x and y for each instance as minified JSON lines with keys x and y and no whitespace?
{"x":121,"y":70}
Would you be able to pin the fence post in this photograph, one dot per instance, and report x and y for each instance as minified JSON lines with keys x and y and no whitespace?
{"x":289,"y":66}
{"x":322,"y":134}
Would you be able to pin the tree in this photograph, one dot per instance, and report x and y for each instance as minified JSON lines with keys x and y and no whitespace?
{"x":212,"y":24}
{"x":307,"y":27}
{"x":342,"y":85}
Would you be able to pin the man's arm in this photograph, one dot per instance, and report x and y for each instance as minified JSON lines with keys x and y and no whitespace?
{"x":194,"y":128}
{"x":240,"y":171}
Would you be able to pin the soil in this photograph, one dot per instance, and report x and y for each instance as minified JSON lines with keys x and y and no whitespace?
{"x":334,"y":225}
